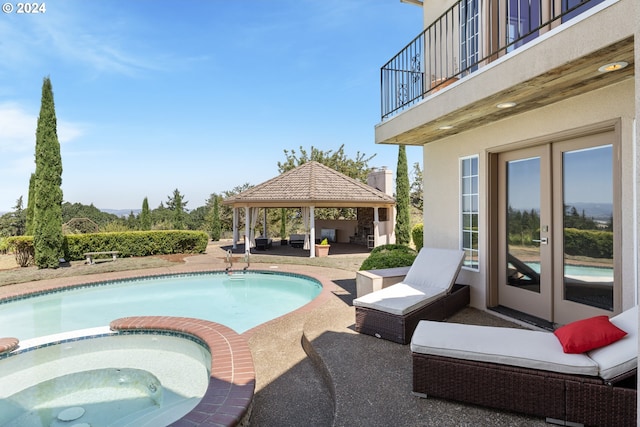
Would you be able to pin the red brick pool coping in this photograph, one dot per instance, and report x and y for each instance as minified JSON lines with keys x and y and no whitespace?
{"x":227,"y":401}
{"x":8,"y":344}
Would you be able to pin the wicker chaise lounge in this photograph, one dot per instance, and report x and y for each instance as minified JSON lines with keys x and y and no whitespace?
{"x":528,"y":372}
{"x":427,"y":292}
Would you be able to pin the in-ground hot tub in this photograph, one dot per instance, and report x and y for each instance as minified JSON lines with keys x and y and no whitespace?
{"x":99,"y":377}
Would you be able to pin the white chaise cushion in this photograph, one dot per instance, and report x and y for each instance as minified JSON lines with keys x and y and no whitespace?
{"x":507,"y":346}
{"x":435,"y":270}
{"x":430,"y":277}
{"x":398,"y":299}
{"x":621,"y":356}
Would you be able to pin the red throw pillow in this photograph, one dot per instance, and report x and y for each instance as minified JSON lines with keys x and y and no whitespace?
{"x":588,"y":334}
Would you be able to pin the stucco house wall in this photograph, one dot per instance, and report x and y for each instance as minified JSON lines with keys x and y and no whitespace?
{"x":442,"y":174}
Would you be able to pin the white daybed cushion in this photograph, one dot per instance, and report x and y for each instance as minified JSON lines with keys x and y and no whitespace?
{"x":507,"y":346}
{"x":430,"y":277}
{"x":621,"y":356}
{"x":435,"y":269}
{"x":398,"y":299}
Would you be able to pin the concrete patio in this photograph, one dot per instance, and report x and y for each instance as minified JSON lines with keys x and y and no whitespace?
{"x":312,"y":368}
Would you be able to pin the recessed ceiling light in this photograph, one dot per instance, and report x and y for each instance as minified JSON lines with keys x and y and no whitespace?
{"x":506,"y":105}
{"x":445,"y":127}
{"x":614,"y":66}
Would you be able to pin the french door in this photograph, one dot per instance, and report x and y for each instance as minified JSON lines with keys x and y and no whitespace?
{"x":556,"y":229}
{"x":525,"y":256}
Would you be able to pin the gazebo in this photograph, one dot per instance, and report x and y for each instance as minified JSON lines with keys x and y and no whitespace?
{"x":314,"y":185}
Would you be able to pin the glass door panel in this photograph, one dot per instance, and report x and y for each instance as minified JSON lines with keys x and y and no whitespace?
{"x":586,"y":273}
{"x":558,"y":233}
{"x":588,"y":226}
{"x":523,"y":224}
{"x":524,"y":20}
{"x":524,"y":213}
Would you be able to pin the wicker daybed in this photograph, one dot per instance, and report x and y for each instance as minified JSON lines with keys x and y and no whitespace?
{"x":527,"y":372}
{"x":427,"y":292}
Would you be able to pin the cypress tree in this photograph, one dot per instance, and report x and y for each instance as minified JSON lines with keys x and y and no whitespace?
{"x":403,"y":202}
{"x":29,"y":228}
{"x":145,"y":216}
{"x":47,"y":212}
{"x":177,"y":205}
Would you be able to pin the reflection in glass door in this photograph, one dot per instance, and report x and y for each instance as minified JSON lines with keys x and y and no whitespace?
{"x":557,"y":229}
{"x":588,"y":227}
{"x":585,"y":259}
{"x":523,"y":224}
{"x":525,"y":282}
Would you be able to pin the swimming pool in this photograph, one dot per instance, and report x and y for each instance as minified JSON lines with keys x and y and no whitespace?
{"x":241,"y":301}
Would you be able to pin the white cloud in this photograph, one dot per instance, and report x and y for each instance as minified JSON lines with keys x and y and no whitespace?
{"x":17,"y":128}
{"x":17,"y":149}
{"x":68,"y":131}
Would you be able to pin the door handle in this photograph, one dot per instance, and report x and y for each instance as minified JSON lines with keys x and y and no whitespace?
{"x":542,"y":240}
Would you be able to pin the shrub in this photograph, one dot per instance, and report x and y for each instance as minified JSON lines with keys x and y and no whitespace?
{"x":389,"y":256}
{"x":23,"y":250}
{"x":391,"y":247}
{"x":417,"y":234}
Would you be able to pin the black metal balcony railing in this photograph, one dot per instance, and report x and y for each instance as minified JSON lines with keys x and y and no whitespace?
{"x":469,"y":35}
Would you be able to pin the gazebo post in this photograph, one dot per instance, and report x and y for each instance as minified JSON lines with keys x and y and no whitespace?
{"x":235,"y":228}
{"x":312,"y":232}
{"x":264,"y":217}
{"x":247,"y":225}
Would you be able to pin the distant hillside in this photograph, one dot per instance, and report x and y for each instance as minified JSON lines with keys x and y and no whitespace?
{"x":601,"y":211}
{"x":121,"y":212}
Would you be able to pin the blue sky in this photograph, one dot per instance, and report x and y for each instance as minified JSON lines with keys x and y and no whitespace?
{"x":203,"y":96}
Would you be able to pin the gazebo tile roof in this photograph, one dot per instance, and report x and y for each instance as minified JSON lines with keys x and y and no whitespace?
{"x":315,"y":183}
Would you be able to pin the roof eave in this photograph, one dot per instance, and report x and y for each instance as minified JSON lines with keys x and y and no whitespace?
{"x":307,"y":203}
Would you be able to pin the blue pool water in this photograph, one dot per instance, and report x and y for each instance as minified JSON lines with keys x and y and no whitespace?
{"x":240,"y":301}
{"x":580,"y":271}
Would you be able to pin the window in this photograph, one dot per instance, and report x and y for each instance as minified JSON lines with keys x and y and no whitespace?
{"x":469,"y":35}
{"x":524,"y":19}
{"x":469,"y":206}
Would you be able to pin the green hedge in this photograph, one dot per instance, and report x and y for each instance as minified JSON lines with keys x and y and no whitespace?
{"x":591,"y":243}
{"x":389,"y":256}
{"x":130,"y":243}
{"x":417,"y":234}
{"x":4,"y":246}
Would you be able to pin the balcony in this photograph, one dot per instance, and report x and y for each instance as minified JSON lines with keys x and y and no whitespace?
{"x":475,"y":35}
